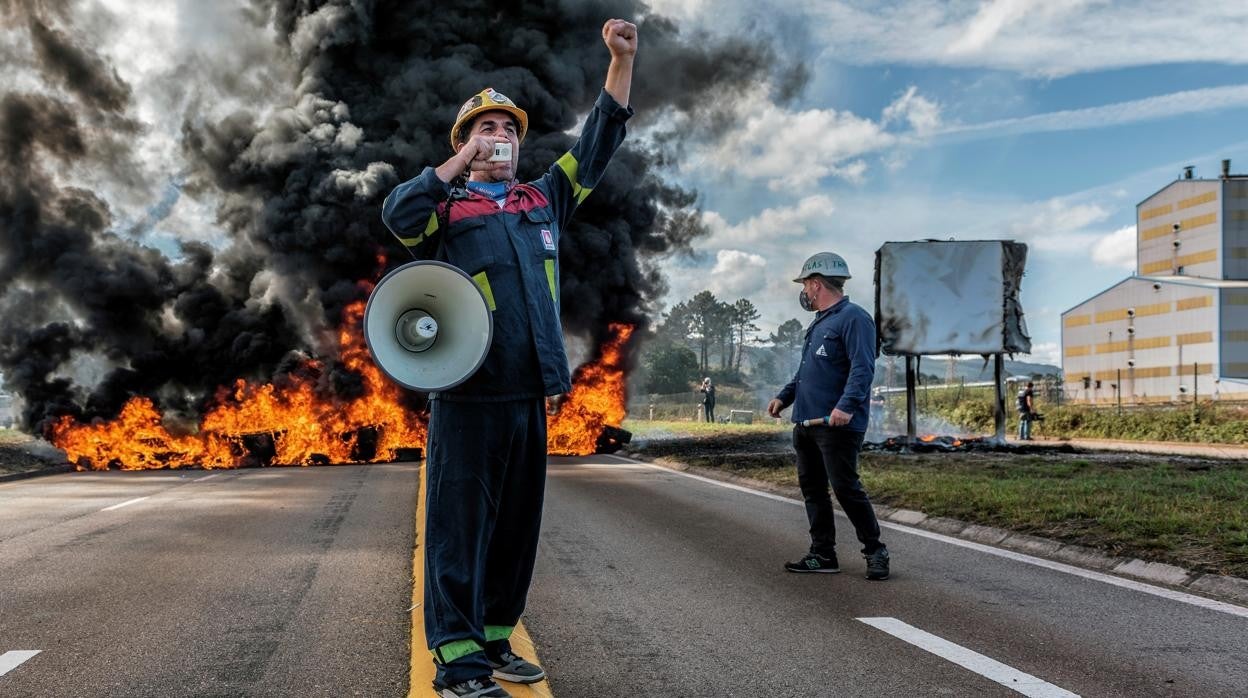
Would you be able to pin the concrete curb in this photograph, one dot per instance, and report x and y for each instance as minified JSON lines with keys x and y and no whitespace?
{"x":1224,"y":588}
{"x":39,"y":472}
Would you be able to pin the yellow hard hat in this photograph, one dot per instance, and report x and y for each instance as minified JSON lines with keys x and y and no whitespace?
{"x":488,"y":100}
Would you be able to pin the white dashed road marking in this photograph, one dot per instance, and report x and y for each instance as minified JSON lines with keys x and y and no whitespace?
{"x":10,"y":660}
{"x":124,"y":504}
{"x":986,"y":667}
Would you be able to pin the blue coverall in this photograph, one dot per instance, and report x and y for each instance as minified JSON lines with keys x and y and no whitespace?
{"x":486,"y":453}
{"x":838,"y":364}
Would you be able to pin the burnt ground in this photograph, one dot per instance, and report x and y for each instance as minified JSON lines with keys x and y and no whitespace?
{"x":743,"y":451}
{"x":21,"y":454}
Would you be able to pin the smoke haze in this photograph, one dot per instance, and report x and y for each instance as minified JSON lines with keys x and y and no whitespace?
{"x":290,"y":130}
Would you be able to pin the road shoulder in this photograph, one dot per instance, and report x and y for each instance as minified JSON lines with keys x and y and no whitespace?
{"x":1220,"y":587}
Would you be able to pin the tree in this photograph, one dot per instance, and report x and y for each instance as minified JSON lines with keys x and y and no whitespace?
{"x":707,"y":322}
{"x":670,"y":368}
{"x":743,"y":316}
{"x":786,"y":343}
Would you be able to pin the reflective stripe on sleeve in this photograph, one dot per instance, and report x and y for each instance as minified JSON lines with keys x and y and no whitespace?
{"x":483,"y":282}
{"x":569,"y":165}
{"x":430,"y":227}
{"x":550,"y":278}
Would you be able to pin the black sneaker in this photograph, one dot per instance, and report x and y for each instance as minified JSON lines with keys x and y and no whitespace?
{"x":877,"y":564}
{"x":814,"y":562}
{"x":476,"y":688}
{"x":508,"y":667}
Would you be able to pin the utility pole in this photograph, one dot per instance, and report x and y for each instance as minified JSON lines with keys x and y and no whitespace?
{"x":1118,"y":392}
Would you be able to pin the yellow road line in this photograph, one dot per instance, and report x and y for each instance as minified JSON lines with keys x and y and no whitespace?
{"x":421,"y":685}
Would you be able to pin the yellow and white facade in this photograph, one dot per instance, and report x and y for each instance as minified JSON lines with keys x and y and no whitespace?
{"x":1179,"y":328}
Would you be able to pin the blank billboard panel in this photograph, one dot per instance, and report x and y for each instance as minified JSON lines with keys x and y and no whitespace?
{"x":950,"y":297}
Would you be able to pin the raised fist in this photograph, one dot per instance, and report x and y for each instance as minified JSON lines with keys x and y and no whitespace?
{"x":620,"y":38}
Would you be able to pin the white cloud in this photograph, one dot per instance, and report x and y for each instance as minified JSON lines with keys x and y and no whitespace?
{"x":786,"y":223}
{"x":1053,"y":38}
{"x":1058,"y":225}
{"x":737,"y":274}
{"x":1047,"y":39}
{"x":987,"y":24}
{"x":784,"y":146}
{"x":1116,"y":114}
{"x":1045,"y":353}
{"x":788,"y":147}
{"x":1116,"y":249}
{"x":922,"y":114}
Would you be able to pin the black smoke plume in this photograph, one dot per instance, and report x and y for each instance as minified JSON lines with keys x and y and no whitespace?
{"x":373,"y":88}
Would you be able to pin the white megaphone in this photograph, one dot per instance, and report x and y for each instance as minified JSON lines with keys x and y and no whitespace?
{"x":427,"y":326}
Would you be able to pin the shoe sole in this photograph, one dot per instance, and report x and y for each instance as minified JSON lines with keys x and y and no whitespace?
{"x":516,"y":678}
{"x":877,"y":578}
{"x":448,"y":693}
{"x":824,"y":571}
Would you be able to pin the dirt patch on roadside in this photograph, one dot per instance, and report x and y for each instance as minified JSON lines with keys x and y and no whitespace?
{"x":22,"y":454}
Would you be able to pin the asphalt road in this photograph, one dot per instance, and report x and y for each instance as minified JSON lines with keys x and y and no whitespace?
{"x":291,"y":581}
{"x":653,"y":583}
{"x":273,"y":582}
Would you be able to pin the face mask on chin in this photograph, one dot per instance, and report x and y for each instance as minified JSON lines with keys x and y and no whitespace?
{"x":805,"y":301}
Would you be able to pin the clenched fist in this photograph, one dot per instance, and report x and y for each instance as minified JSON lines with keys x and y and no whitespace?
{"x":620,"y":38}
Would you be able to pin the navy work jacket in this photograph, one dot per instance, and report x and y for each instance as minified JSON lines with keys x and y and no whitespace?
{"x":512,"y":253}
{"x":838,"y":365}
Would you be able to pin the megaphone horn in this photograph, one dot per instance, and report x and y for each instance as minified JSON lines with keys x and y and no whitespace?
{"x":427,"y":326}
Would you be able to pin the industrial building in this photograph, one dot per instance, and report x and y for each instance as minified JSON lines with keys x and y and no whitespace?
{"x":1178,"y":328}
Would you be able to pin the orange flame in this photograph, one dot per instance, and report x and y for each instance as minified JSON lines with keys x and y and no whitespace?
{"x":305,"y":427}
{"x":596,"y":400}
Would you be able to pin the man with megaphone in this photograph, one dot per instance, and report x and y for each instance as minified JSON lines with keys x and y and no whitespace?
{"x":486,"y":455}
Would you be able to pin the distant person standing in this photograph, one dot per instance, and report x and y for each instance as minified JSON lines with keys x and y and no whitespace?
{"x":831,"y":407}
{"x":1026,"y":412}
{"x":708,"y":399}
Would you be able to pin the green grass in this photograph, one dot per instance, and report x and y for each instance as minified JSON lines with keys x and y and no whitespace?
{"x":1207,"y":423}
{"x":646,"y":429}
{"x":1185,"y":512}
{"x":1163,"y":510}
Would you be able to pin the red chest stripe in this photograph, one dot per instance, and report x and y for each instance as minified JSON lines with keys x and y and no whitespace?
{"x":522,"y":197}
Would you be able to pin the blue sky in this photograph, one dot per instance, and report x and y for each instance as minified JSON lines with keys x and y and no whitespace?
{"x":1040,"y":122}
{"x":1043,"y":122}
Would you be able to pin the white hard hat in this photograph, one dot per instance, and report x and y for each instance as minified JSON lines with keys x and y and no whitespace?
{"x":827,"y":264}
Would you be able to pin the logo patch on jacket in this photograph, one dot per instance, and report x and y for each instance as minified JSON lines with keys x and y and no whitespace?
{"x":821,"y":351}
{"x":547,"y":239}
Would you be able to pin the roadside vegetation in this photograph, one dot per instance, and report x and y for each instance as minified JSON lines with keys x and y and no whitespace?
{"x":1184,"y":511}
{"x":1206,"y":422}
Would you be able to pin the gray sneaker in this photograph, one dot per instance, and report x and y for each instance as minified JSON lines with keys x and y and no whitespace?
{"x":476,"y":688}
{"x":509,"y":667}
{"x":814,"y":562}
{"x":877,"y":564}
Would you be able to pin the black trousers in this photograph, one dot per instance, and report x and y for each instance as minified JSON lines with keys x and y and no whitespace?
{"x":830,"y":455}
{"x":486,"y":470}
